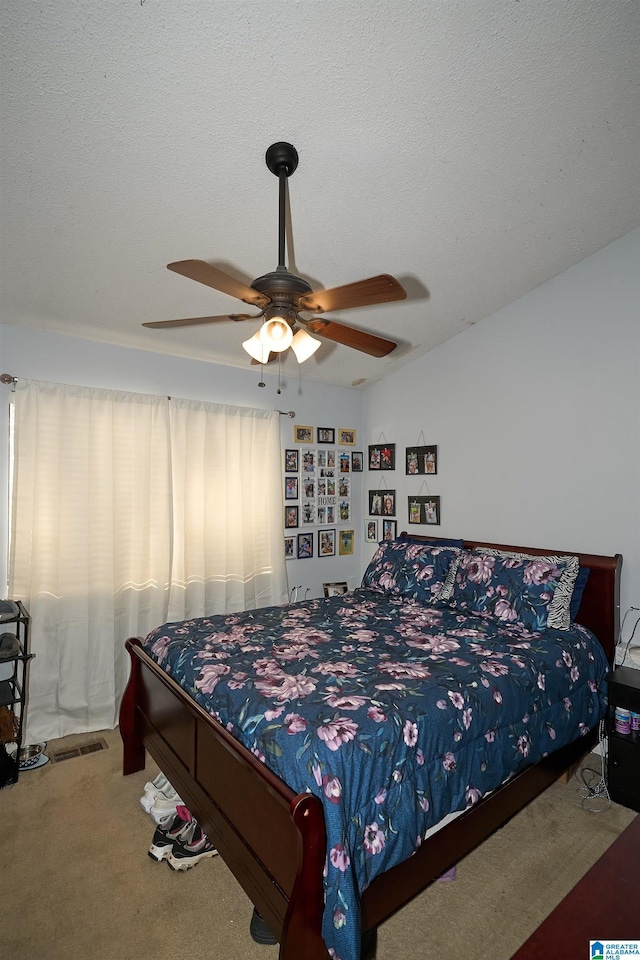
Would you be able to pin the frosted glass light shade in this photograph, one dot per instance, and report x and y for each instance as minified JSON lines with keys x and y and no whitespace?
{"x":304,"y":346}
{"x":276,"y":334}
{"x":256,"y":348}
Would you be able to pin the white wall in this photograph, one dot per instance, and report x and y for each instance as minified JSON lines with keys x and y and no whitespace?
{"x":535,"y":411}
{"x":536,"y":414}
{"x":40,"y":356}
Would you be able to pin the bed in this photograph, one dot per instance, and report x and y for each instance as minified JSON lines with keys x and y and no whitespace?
{"x":276,"y":726}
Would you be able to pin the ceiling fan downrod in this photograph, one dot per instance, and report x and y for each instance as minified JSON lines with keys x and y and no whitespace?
{"x":282,"y":161}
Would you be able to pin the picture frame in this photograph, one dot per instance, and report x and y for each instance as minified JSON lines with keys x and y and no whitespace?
{"x":346,"y":436}
{"x":291,"y":461}
{"x":290,"y":517}
{"x":291,"y":488}
{"x":326,"y":435}
{"x":302,"y":434}
{"x":305,"y":546}
{"x":327,"y":542}
{"x":382,"y":503}
{"x":421,"y":461}
{"x":289,"y":548}
{"x":335,"y":589}
{"x":371,"y":530}
{"x":389,"y":529}
{"x":424,"y":510}
{"x":356,"y":461}
{"x":382,"y":456}
{"x":345,"y":543}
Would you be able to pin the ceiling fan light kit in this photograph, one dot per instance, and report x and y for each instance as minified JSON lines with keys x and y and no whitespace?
{"x":257,"y":349}
{"x":282,"y":296}
{"x":304,"y":346}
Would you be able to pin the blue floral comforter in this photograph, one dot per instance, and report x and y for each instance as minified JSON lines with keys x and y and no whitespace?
{"x":392,"y":712}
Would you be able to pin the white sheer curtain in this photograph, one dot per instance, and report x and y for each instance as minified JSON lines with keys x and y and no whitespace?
{"x":227,"y":510}
{"x":100,"y":498}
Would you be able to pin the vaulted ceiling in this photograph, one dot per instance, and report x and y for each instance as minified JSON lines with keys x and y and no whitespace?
{"x":471,"y":149}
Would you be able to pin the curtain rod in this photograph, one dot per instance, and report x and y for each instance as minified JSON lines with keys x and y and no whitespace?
{"x":7,"y":378}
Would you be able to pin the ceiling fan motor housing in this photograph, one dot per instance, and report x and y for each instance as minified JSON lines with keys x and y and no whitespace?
{"x":283,"y":288}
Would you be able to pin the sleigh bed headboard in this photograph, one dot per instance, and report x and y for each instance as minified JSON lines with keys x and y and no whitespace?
{"x":600,"y":606}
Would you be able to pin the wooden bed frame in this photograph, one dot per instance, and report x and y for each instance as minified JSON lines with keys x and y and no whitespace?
{"x":274,"y":840}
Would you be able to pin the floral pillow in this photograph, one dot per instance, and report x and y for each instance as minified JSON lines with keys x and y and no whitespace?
{"x":407,"y":569}
{"x":523,"y":589}
{"x":426,"y":573}
{"x":385,"y":568}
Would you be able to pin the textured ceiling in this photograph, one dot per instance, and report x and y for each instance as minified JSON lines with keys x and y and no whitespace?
{"x":471,"y":149}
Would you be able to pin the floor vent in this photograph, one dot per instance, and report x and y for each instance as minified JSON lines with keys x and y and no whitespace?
{"x":78,"y":751}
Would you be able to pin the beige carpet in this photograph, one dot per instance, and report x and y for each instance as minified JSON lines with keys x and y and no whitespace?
{"x":78,"y":884}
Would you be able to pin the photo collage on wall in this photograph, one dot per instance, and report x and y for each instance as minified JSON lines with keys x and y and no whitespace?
{"x":421,"y":460}
{"x":318,"y":487}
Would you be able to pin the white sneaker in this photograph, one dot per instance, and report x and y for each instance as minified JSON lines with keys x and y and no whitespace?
{"x":162,"y":807}
{"x":159,"y":797}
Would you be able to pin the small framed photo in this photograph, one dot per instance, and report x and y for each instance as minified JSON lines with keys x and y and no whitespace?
{"x":421,"y":460}
{"x":334,"y":589}
{"x":302,"y":434}
{"x":327,"y":543}
{"x":345,"y":543}
{"x":289,"y":548}
{"x":290,"y":517}
{"x":346,"y":437}
{"x":356,"y":461}
{"x":326,"y":435}
{"x":291,"y":488}
{"x":345,"y":462}
{"x":382,"y":456}
{"x":305,"y":546}
{"x":389,"y":529}
{"x":424,"y":510}
{"x":291,"y":461}
{"x":371,"y":531}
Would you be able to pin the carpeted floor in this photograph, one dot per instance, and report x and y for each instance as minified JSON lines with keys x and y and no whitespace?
{"x":78,"y":884}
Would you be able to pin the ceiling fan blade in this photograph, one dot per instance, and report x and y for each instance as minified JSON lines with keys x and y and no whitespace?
{"x":358,"y":339}
{"x":204,"y":272}
{"x":380,"y":289}
{"x":195,"y":321}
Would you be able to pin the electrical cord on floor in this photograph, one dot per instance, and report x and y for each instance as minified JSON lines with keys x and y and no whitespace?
{"x":593,"y":784}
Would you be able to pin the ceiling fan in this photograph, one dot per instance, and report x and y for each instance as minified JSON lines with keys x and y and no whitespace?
{"x":282,"y":296}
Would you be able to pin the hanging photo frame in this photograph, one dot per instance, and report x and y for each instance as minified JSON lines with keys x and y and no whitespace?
{"x":421,"y":461}
{"x":382,"y":456}
{"x":424,"y":510}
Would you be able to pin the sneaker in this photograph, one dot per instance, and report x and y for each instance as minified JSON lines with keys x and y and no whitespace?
{"x":161,"y":800}
{"x":180,"y":824}
{"x":164,"y":807}
{"x":189,"y":849}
